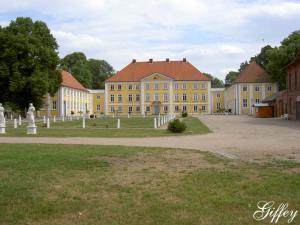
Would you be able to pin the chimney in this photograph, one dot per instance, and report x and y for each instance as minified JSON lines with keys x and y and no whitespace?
{"x":167,"y":60}
{"x":150,"y":60}
{"x":184,"y":60}
{"x":134,"y":61}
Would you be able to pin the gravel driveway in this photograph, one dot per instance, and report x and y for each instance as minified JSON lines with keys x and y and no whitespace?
{"x":233,"y":136}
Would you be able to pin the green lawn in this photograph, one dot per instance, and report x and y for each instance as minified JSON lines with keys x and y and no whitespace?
{"x":106,"y":127}
{"x":76,"y":185}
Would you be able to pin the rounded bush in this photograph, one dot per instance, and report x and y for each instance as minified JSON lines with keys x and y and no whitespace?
{"x":176,"y":126}
{"x":184,"y":114}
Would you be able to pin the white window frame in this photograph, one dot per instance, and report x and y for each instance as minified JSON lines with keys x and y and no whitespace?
{"x":195,"y":97}
{"x":166,"y":97}
{"x":203,"y":97}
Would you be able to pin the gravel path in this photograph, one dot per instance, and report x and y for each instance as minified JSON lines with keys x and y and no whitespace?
{"x":233,"y":136}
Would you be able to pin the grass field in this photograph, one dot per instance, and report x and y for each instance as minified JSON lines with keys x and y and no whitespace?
{"x":106,"y":127}
{"x":72,"y":185}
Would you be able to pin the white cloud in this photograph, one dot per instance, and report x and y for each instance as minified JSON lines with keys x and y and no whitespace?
{"x":216,"y":35}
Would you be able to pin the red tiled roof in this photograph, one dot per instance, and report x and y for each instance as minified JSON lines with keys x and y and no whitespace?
{"x":253,"y":73}
{"x":177,"y":70}
{"x":70,"y":81}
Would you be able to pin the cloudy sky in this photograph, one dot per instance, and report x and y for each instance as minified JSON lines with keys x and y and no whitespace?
{"x":214,"y":35}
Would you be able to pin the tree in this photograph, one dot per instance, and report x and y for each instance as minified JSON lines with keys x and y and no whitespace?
{"x":280,"y":57}
{"x":28,"y":61}
{"x":215,"y":82}
{"x":91,"y":73}
{"x":101,"y":70}
{"x":243,"y":66}
{"x":262,"y":58}
{"x":230,"y":77}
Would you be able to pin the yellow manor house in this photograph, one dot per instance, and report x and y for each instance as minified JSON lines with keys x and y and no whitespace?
{"x":160,"y":87}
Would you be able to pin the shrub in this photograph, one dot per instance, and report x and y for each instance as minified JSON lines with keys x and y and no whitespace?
{"x":184,"y":114}
{"x":176,"y":126}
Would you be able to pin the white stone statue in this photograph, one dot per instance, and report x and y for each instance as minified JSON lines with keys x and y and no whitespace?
{"x":2,"y":119}
{"x":30,"y":115}
{"x":31,"y":128}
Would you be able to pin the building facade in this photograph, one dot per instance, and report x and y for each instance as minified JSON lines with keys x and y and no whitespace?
{"x":97,"y":102}
{"x":218,"y":99}
{"x":71,"y":99}
{"x":251,"y":86}
{"x":158,"y":87}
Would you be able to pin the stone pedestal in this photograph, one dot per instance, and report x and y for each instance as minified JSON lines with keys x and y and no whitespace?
{"x":2,"y":129}
{"x":31,"y":129}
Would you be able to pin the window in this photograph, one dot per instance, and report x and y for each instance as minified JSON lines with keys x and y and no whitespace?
{"x":130,"y":98}
{"x":245,"y":103}
{"x":137,"y":87}
{"x":176,"y":108}
{"x":156,"y":86}
{"x":245,"y":88}
{"x":119,"y":87}
{"x":112,"y":87}
{"x":176,"y":97}
{"x":130,"y":109}
{"x":165,"y":108}
{"x":166,"y":85}
{"x":98,"y":107}
{"x":54,"y":105}
{"x":257,"y":100}
{"x":98,"y":97}
{"x":184,"y":86}
{"x":203,"y":85}
{"x":203,"y":108}
{"x":203,"y":97}
{"x":156,"y":97}
{"x":176,"y":86}
{"x":195,"y":97}
{"x":130,"y":86}
{"x":148,"y":109}
{"x":138,"y":108}
{"x":119,"y":98}
{"x":137,"y":97}
{"x":166,"y":97}
{"x":183,"y":97}
{"x":218,"y":105}
{"x":184,"y":108}
{"x":119,"y":108}
{"x":112,"y":98}
{"x":269,"y":88}
{"x":195,"y":108}
{"x":218,"y":95}
{"x":147,"y":97}
{"x":257,"y":88}
{"x":195,"y":85}
{"x":112,"y":109}
{"x":147,"y":86}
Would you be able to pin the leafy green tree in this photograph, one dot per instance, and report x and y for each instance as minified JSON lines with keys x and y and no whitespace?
{"x":91,"y":73}
{"x":28,"y":61}
{"x":243,"y":66}
{"x":230,"y":77}
{"x":215,"y":82}
{"x":262,"y":58}
{"x":101,"y":70}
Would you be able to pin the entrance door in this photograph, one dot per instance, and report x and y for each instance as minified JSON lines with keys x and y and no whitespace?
{"x":156,"y":109}
{"x":298,"y":109}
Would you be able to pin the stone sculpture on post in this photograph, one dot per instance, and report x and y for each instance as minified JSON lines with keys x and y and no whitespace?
{"x":31,"y":128}
{"x":2,"y":120}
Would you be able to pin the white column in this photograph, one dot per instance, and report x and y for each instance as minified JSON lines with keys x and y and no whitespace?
{"x":61,"y":101}
{"x":20,"y":120}
{"x":251,"y":98}
{"x":142,"y":98}
{"x":209,"y":97}
{"x":119,"y":124}
{"x":91,"y":98}
{"x":48,"y":122}
{"x":212,"y":102}
{"x":106,"y":99}
{"x":237,"y":99}
{"x":263,"y":90}
{"x":171,"y":96}
{"x":49,"y":104}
